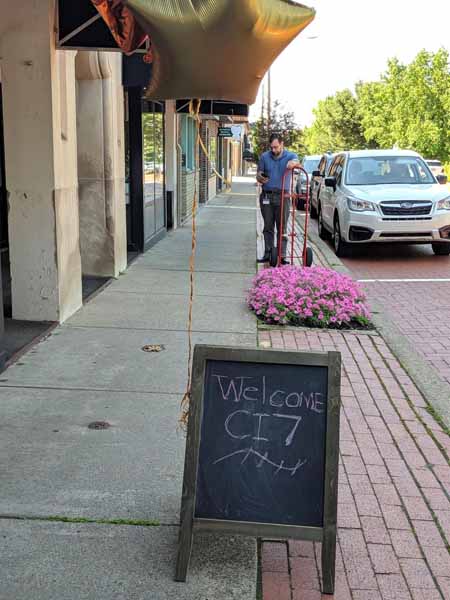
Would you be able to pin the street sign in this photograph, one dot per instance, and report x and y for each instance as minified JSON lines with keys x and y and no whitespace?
{"x":225,"y":132}
{"x":262,"y":449}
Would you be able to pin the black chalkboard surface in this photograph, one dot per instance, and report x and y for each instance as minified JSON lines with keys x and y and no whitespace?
{"x":262,"y":448}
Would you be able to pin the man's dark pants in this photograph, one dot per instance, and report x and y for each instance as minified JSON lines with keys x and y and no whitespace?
{"x":270,"y":205}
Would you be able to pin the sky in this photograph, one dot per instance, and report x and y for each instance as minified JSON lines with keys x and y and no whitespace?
{"x":349,"y":41}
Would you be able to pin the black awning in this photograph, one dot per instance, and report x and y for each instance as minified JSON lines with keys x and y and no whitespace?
{"x":81,"y":26}
{"x":216,"y":107}
{"x":135,"y":71}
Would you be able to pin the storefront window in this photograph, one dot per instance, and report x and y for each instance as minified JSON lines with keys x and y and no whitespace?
{"x":212,"y":155}
{"x":153,"y":169}
{"x":188,"y":138}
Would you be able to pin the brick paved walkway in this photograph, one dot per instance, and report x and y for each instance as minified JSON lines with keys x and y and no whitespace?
{"x":394,"y":485}
{"x":420,"y":310}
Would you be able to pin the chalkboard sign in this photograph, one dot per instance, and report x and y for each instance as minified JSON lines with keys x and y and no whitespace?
{"x":262,"y":448}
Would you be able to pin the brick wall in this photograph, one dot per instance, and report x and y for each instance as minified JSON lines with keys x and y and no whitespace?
{"x":186,"y":187}
{"x":187,"y":190}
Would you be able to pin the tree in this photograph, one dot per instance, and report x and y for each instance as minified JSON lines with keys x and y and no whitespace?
{"x":337,"y":125}
{"x":280,"y":122}
{"x":152,"y":134}
{"x":410,"y":106}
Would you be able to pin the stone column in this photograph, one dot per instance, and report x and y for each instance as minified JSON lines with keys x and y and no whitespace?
{"x":41,"y":166}
{"x":101,"y":163}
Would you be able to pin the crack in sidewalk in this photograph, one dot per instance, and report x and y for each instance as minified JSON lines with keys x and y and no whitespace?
{"x":84,"y":520}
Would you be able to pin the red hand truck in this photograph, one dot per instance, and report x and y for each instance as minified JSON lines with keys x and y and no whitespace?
{"x":294,"y":250}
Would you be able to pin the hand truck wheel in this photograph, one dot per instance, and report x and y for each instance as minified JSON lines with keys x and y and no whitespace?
{"x":273,"y":258}
{"x":309,"y":257}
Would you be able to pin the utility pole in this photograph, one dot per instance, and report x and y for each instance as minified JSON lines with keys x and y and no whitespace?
{"x":263,"y":96}
{"x":269,"y":103}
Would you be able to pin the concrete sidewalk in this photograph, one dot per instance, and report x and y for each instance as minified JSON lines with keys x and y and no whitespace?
{"x":394,"y":479}
{"x":93,"y":514}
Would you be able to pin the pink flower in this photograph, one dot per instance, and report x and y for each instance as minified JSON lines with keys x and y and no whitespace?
{"x":312,"y":297}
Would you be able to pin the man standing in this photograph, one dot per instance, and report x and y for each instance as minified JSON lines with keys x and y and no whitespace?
{"x":271,"y":168}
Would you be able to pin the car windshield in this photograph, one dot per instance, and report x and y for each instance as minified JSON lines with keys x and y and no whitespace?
{"x":311,"y":164}
{"x":379,"y":170}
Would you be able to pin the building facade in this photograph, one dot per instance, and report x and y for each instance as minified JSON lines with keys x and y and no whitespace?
{"x":91,"y":173}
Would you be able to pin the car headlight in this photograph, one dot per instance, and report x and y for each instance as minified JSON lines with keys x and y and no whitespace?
{"x":359,"y":205}
{"x":443,"y":204}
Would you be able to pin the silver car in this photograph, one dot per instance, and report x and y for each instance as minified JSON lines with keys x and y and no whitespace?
{"x":437,"y":168}
{"x":383,"y":196}
{"x":310,"y":164}
{"x":317,"y":181}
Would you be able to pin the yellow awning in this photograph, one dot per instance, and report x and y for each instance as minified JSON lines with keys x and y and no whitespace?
{"x":213,"y":49}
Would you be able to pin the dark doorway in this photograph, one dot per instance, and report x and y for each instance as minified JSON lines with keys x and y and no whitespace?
{"x":4,"y":241}
{"x":153,"y":172}
{"x":145,"y":172}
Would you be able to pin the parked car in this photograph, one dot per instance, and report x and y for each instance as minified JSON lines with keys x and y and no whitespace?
{"x":383,"y":196}
{"x":317,"y":179}
{"x":310,"y":164}
{"x":437,"y":168}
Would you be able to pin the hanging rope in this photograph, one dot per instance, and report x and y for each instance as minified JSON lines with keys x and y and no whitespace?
{"x":194,"y":111}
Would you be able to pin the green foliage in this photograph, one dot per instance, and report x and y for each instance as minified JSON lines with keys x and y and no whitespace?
{"x":409,"y":107}
{"x":152,"y":134}
{"x":337,"y":125}
{"x":280,"y":122}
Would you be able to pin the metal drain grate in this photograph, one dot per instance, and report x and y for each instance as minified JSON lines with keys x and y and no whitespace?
{"x":99,"y":425}
{"x":153,"y":348}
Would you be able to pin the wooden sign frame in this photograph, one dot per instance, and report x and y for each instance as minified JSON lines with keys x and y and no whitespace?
{"x":190,"y":524}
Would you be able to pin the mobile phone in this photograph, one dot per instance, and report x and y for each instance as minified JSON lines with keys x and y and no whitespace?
{"x":264,"y":175}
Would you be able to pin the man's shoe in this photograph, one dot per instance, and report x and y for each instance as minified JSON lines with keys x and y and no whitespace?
{"x":264,"y":259}
{"x":285,"y":261}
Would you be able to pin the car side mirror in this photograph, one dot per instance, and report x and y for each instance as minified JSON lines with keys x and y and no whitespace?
{"x":250,"y":156}
{"x":330,"y":182}
{"x":442,"y":179}
{"x":316,"y":174}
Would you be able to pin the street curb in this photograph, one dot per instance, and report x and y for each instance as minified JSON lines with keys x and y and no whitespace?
{"x":425,"y":377}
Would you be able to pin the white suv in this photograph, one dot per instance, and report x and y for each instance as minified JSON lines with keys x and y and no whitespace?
{"x":383,"y":196}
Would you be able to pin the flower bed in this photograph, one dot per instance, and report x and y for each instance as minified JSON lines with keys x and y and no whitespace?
{"x":312,"y":297}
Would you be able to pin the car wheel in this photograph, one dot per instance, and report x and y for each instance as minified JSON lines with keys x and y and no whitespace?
{"x":323,"y":233}
{"x":341,"y":247}
{"x":301,"y":204}
{"x":309,"y":257}
{"x":441,"y":248}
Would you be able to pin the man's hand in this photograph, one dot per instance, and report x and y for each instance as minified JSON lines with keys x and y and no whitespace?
{"x":292,"y":164}
{"x":261,"y":179}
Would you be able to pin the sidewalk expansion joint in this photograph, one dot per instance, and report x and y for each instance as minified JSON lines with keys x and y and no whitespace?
{"x":182,"y":294}
{"x":197,"y":270}
{"x":16,"y":386}
{"x":165,"y":329}
{"x":84,"y":521}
